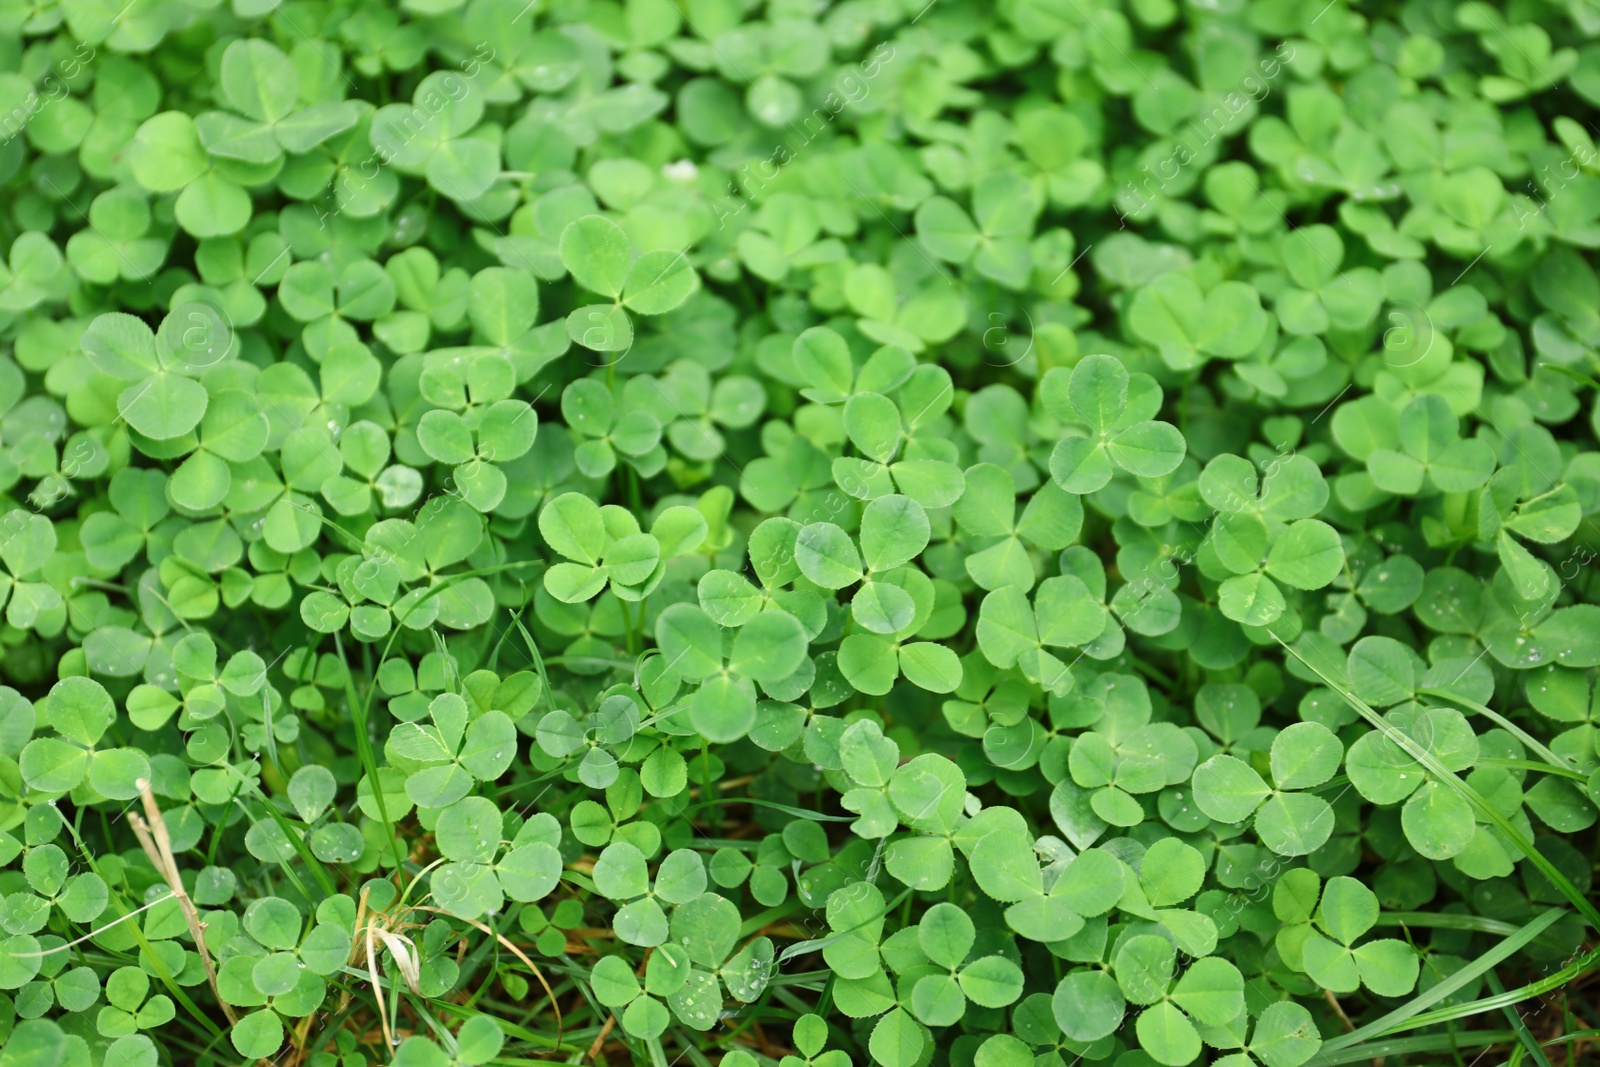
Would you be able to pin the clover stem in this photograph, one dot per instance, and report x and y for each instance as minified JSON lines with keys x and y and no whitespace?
{"x":634,"y":500}
{"x":1338,"y":1009}
{"x":629,"y":629}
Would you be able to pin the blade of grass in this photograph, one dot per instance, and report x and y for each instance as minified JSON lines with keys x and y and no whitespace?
{"x":761,"y":920}
{"x":1394,"y":1021}
{"x":1529,"y":1043}
{"x":369,"y":762}
{"x":533,"y":651}
{"x":1445,"y":920}
{"x":1537,"y":768}
{"x":1490,"y":1003}
{"x":799,"y":813}
{"x":297,"y":840}
{"x":1407,"y":1046}
{"x":1533,"y":743}
{"x":1568,"y":372}
{"x":1576,"y":1035}
{"x":817,"y":944}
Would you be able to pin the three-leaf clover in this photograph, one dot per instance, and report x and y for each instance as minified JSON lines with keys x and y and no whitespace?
{"x":169,"y":155}
{"x":604,"y":546}
{"x":1285,"y":1035}
{"x":1550,"y":516}
{"x":707,"y":928}
{"x":597,"y":253}
{"x":433,"y":136}
{"x":1189,"y":326}
{"x":1437,"y":819}
{"x":998,"y":246}
{"x":727,"y":663}
{"x":1124,"y":754}
{"x":1209,"y":993}
{"x":281,"y":968}
{"x":479,"y":875}
{"x":1250,"y":554}
{"x":1105,"y":414}
{"x":124,"y":241}
{"x":987,"y":513}
{"x":1290,"y":823}
{"x":616,"y":986}
{"x":494,"y":429}
{"x":1064,"y":613}
{"x":79,"y":711}
{"x":946,"y":936}
{"x":1324,"y":296}
{"x":1323,"y":944}
{"x":1428,"y":451}
{"x":620,"y":874}
{"x":262,"y":86}
{"x":603,"y":431}
{"x":1006,"y":867}
{"x":883,"y":429}
{"x":27,"y":544}
{"x":442,"y":759}
{"x":33,"y":273}
{"x":163,"y":399}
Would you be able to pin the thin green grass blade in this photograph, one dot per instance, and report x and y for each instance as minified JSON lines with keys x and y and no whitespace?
{"x":533,"y":651}
{"x":369,"y":760}
{"x":1529,"y":1044}
{"x":799,"y":813}
{"x":1498,"y":1000}
{"x":1446,"y":920}
{"x":1577,"y":1035}
{"x":1537,"y":768}
{"x":1374,"y":1051}
{"x":298,"y":841}
{"x":1394,"y":1022}
{"x":1533,"y":743}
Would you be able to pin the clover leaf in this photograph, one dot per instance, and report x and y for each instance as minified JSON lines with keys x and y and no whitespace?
{"x":432,"y":136}
{"x":1332,"y":958}
{"x":1209,"y":993}
{"x":1014,"y":632}
{"x":480,"y":876}
{"x":605,"y":545}
{"x":665,"y":515}
{"x":444,"y":757}
{"x":997,"y":246}
{"x":1101,"y":404}
{"x":1290,"y":823}
{"x":1189,"y":326}
{"x":163,"y":400}
{"x":262,"y":85}
{"x":986,"y":511}
{"x":596,"y":252}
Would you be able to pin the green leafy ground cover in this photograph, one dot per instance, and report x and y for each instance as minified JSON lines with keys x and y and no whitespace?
{"x":789,"y":534}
